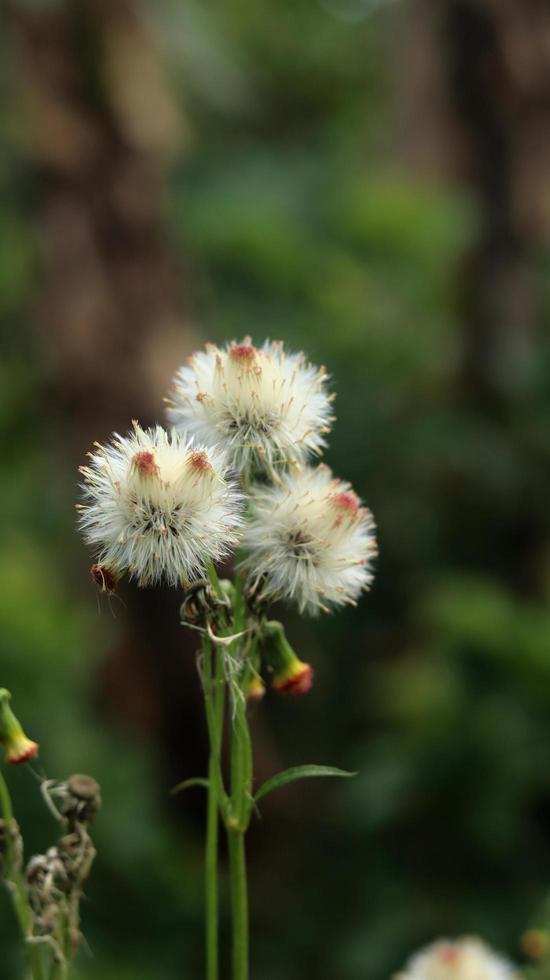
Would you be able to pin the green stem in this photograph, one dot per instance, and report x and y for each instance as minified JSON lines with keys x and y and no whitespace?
{"x":58,"y":971}
{"x":211,"y":876}
{"x":241,"y":796}
{"x":239,"y":900}
{"x":214,"y":580}
{"x":13,"y":874}
{"x":241,"y":765}
{"x":214,"y":703}
{"x":16,"y":882}
{"x":236,"y":810}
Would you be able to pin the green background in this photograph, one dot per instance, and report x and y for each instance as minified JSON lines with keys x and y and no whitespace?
{"x":292,"y":210}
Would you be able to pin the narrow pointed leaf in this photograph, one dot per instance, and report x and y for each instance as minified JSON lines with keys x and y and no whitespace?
{"x":188,"y":784}
{"x":298,"y":772}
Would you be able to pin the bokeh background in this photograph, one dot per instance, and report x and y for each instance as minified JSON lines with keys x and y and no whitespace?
{"x":368,"y":180}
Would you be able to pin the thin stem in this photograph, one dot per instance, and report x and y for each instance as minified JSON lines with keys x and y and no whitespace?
{"x":241,"y":765}
{"x":16,"y":884}
{"x":13,"y":875}
{"x":214,"y":580}
{"x":239,"y":899}
{"x":211,"y":876}
{"x":241,"y":795}
{"x":214,"y":704}
{"x":58,"y":971}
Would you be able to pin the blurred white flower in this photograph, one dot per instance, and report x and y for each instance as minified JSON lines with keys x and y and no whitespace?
{"x":158,"y":507}
{"x":467,"y":958}
{"x":309,"y":540}
{"x":266,"y":407}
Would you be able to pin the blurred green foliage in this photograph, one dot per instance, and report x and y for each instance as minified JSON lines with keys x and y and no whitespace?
{"x":289,"y":222}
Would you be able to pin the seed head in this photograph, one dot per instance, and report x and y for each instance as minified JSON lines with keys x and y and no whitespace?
{"x":462,"y":959}
{"x":157,"y":507}
{"x":266,"y":407}
{"x":309,"y":540}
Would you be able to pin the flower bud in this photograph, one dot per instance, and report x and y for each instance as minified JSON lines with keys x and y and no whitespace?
{"x":290,"y":675}
{"x":256,"y":688}
{"x":535,"y":943}
{"x":17,"y":747}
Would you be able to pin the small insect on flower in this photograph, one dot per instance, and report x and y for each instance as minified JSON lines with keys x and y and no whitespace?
{"x":265,"y":406}
{"x":468,"y":958}
{"x":158,"y":507}
{"x":309,"y":540}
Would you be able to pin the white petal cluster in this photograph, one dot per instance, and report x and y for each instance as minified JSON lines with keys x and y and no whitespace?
{"x":158,"y":507}
{"x":468,"y":958}
{"x":266,"y":407}
{"x":309,"y":540}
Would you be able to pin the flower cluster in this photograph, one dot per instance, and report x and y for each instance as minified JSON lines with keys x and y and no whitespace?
{"x":161,"y":505}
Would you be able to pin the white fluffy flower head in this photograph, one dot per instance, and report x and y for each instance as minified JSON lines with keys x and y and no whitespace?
{"x":309,"y":540}
{"x":266,"y":407}
{"x":462,"y":959}
{"x":158,"y":507}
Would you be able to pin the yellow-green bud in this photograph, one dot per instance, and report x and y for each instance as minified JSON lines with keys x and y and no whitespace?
{"x":17,"y":747}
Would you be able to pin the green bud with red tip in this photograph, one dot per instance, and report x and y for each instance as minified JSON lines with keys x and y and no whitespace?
{"x":17,"y":747}
{"x":290,"y":674}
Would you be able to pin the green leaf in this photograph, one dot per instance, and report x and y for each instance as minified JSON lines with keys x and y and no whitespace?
{"x":298,"y":772}
{"x":188,"y":784}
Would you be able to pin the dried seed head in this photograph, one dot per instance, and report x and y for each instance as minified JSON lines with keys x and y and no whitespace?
{"x":83,"y":798}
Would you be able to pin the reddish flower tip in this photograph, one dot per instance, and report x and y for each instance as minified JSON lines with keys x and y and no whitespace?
{"x":297,"y":683}
{"x":243,"y":352}
{"x":449,"y":953}
{"x":23,"y":750}
{"x":346,"y":501}
{"x":144,"y":462}
{"x":534,"y":943}
{"x":199,"y":461}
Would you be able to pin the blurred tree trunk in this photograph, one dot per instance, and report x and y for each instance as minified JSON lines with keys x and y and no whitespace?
{"x":103,"y":130}
{"x":480,"y":84}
